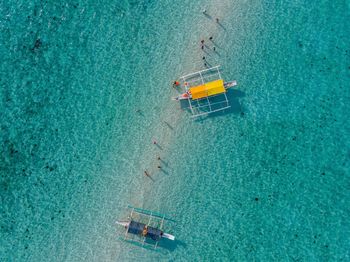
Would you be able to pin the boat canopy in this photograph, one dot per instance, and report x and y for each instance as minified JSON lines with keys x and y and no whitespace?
{"x":208,"y":89}
{"x":137,"y":228}
{"x":154,"y":233}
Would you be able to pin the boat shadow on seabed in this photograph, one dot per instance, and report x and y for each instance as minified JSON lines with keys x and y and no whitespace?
{"x":233,"y":96}
{"x":171,"y":245}
{"x":164,"y":244}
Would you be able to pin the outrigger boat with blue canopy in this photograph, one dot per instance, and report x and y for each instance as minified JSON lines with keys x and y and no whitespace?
{"x":203,"y":91}
{"x":145,"y":227}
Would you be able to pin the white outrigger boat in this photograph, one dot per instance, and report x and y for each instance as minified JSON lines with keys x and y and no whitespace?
{"x":200,"y":92}
{"x":149,"y":232}
{"x":188,"y":94}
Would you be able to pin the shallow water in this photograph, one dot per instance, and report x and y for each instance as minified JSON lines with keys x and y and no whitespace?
{"x":266,"y":180}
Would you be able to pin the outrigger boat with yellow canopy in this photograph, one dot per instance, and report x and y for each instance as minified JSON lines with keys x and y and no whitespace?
{"x":204,"y":90}
{"x":145,"y":227}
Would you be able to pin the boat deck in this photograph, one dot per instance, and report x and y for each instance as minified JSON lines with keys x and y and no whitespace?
{"x":210,"y":95}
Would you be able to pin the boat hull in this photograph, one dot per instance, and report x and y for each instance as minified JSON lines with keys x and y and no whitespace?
{"x":230,"y":84}
{"x":168,"y":236}
{"x":183,"y":96}
{"x":122,"y":223}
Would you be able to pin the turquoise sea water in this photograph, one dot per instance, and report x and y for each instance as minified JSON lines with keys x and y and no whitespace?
{"x":267,"y":180}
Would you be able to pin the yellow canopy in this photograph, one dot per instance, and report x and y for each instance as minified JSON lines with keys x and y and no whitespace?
{"x":208,"y":89}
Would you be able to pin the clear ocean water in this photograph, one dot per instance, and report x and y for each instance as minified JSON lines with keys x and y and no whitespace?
{"x":86,"y":87}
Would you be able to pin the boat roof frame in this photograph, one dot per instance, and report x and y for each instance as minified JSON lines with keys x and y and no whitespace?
{"x":195,"y":109}
{"x":150,"y":214}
